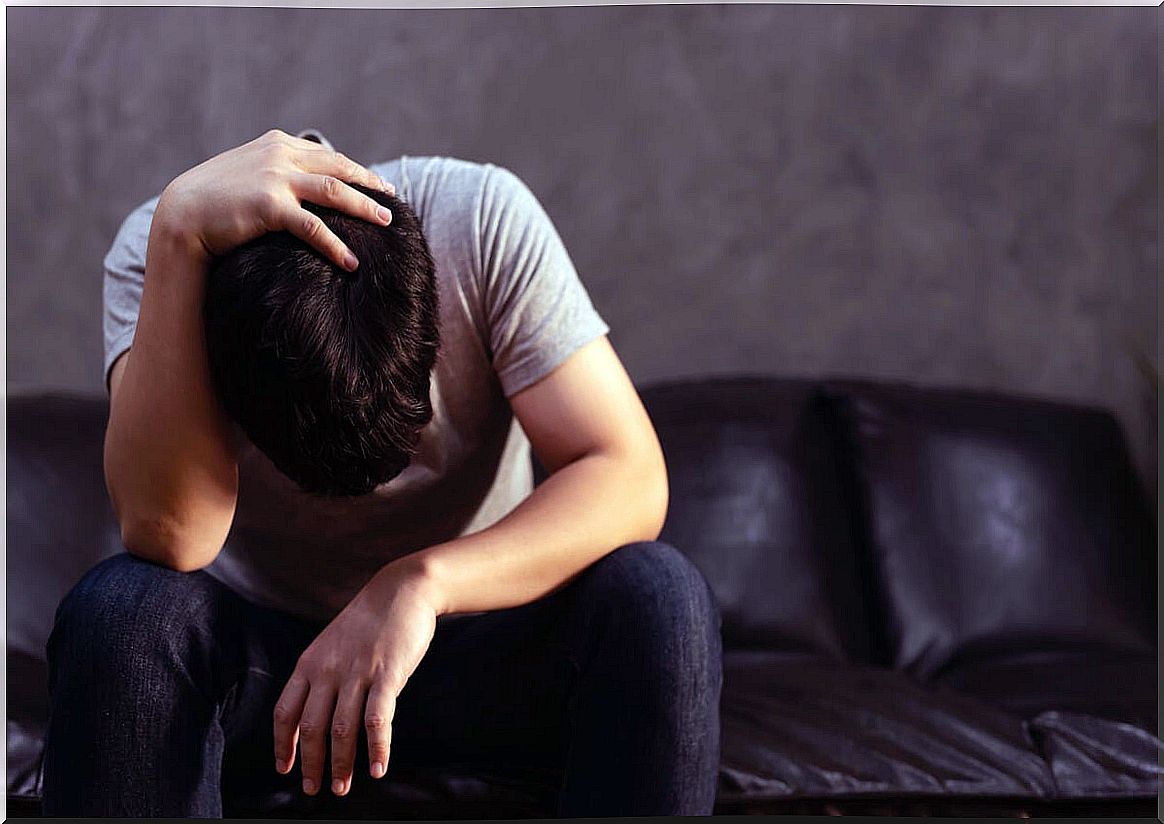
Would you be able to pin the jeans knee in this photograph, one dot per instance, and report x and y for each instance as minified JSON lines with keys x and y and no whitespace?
{"x":661,"y":605}
{"x":125,"y":612}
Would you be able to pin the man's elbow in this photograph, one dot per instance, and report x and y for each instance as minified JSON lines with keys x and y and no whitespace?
{"x":168,"y":546}
{"x":653,"y":497}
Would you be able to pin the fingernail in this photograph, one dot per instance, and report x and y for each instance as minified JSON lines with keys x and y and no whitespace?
{"x":280,"y":765}
{"x":337,"y":787}
{"x":350,"y":262}
{"x":377,"y":770}
{"x":308,"y":786}
{"x":384,"y":215}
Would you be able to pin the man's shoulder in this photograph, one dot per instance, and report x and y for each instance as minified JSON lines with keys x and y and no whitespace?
{"x":443,"y":164}
{"x":423,"y":174}
{"x":465,"y":201}
{"x":438,"y":180}
{"x":446,"y":192}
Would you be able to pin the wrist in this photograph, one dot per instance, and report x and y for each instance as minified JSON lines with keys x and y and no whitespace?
{"x":418,"y":572}
{"x":170,"y":229}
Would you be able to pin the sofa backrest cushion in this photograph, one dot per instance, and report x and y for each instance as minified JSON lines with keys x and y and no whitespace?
{"x":756,"y":505}
{"x":60,"y":522}
{"x":996,"y":524}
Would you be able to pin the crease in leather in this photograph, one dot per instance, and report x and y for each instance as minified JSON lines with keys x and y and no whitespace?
{"x":796,"y":727}
{"x":1099,"y":757}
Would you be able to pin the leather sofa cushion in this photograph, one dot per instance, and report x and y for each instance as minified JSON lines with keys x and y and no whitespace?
{"x":1097,"y":758}
{"x":1116,"y":685}
{"x":1090,"y":712}
{"x":756,"y":505}
{"x":27,"y":711}
{"x":805,"y":727}
{"x":60,"y":522}
{"x":1014,"y":524}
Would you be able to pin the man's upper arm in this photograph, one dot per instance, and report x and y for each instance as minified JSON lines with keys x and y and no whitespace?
{"x":536,"y":309}
{"x":587,"y":405}
{"x":565,"y":383}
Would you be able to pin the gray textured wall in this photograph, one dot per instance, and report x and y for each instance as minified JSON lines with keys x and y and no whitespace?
{"x":946,"y":195}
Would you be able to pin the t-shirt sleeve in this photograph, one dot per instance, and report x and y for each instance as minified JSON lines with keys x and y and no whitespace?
{"x":537,"y":310}
{"x":124,"y":276}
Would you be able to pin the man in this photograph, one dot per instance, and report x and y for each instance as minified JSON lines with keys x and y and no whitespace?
{"x":294,"y":365}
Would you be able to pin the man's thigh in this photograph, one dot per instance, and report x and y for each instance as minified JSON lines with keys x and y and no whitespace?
{"x":492,"y":690}
{"x":267,"y":645}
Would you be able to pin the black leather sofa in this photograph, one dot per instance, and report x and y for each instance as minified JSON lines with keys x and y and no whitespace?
{"x":934,"y":601}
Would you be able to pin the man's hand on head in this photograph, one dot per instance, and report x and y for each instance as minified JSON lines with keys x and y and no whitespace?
{"x":351,"y":675}
{"x":259,"y":187}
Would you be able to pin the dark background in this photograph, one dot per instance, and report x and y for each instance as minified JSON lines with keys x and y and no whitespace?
{"x":948,"y":196}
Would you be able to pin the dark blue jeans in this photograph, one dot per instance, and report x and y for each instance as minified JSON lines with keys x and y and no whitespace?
{"x":163,"y":688}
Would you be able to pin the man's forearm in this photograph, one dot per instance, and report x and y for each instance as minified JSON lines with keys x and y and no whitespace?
{"x":579,"y":514}
{"x":170,"y":460}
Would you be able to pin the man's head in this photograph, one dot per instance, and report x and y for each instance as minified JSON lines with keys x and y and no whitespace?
{"x":327,"y":371}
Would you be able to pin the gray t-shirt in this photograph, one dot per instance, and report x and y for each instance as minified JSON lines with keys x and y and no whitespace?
{"x":511,"y":310}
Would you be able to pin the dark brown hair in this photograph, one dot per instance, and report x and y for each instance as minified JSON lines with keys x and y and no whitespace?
{"x":327,"y":371}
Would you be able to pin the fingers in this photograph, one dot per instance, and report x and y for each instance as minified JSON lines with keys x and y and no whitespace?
{"x":297,"y":170}
{"x":319,"y":159}
{"x":288,"y":710}
{"x":345,"y":730}
{"x":330,"y":191}
{"x":343,"y":167}
{"x":311,"y":229}
{"x":314,"y":729}
{"x":378,"y":713}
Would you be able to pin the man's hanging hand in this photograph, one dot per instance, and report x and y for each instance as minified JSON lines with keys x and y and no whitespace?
{"x":351,"y":675}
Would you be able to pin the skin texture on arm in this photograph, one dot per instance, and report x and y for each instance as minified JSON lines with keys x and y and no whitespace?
{"x":170,"y":454}
{"x":608,"y":487}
